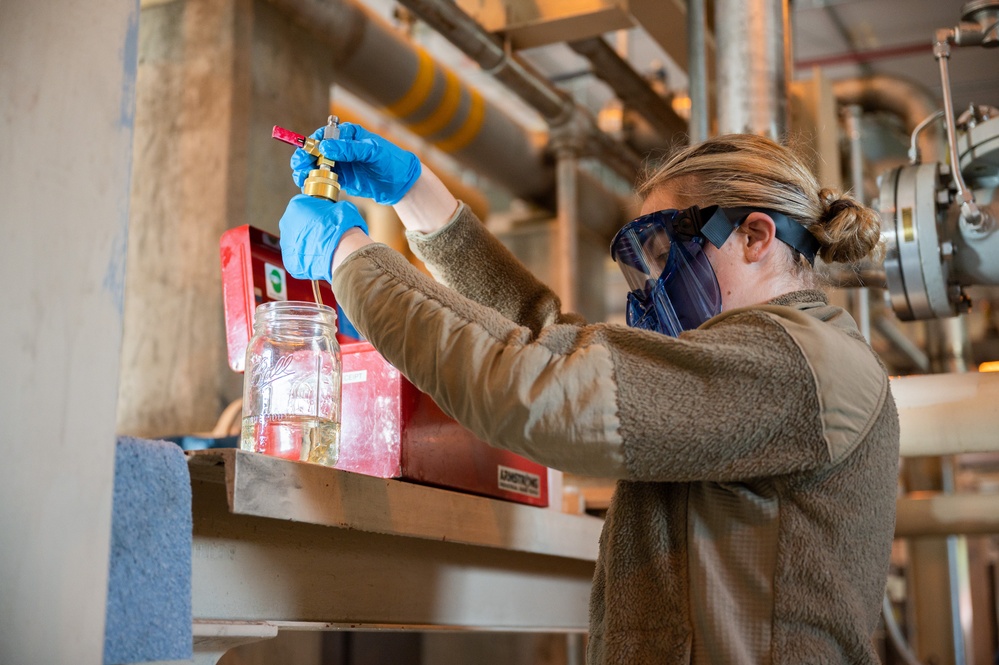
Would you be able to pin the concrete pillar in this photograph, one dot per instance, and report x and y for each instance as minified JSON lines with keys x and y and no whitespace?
{"x":67,"y":75}
{"x":214,"y":76}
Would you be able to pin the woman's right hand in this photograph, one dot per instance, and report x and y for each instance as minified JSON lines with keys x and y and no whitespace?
{"x":366,"y":164}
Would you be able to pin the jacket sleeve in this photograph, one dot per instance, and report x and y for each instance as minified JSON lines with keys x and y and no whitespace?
{"x":735,"y":401}
{"x":466,"y":257}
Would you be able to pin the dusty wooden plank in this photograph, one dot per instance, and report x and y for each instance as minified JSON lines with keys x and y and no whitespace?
{"x":253,"y":569}
{"x":264,"y":486}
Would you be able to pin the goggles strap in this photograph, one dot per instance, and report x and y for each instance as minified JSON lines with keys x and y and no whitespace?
{"x":722,"y":221}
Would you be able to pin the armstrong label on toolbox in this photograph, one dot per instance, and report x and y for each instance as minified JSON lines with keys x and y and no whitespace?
{"x":521,"y":482}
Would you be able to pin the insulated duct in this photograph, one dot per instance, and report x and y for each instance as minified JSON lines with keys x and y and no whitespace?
{"x":629,"y":86}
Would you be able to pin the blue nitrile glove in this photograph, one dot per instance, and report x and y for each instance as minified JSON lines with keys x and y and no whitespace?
{"x":366,"y":164}
{"x":311,"y":229}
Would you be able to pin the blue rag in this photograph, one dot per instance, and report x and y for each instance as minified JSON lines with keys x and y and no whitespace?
{"x":149,"y":581}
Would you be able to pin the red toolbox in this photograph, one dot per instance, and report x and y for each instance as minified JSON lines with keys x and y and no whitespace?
{"x":390,"y":429}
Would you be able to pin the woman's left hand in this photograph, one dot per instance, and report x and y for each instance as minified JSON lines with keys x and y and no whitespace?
{"x":311,"y":230}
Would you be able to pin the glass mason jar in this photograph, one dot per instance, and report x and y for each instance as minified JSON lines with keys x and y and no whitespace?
{"x":291,"y":385}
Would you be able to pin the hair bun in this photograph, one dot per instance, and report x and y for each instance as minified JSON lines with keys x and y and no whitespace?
{"x":847,"y":230}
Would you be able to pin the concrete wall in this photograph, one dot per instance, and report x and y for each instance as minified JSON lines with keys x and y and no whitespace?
{"x":214,"y":77}
{"x":66,"y":106}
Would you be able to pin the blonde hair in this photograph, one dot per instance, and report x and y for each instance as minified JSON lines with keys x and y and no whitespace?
{"x":745,"y":170}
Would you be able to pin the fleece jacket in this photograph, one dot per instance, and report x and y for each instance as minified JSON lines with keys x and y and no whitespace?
{"x":755,"y":457}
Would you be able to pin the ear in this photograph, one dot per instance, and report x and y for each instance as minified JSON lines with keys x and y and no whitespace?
{"x":760,"y":237}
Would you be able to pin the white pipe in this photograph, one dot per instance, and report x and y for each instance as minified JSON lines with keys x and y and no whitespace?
{"x":947,"y":514}
{"x":948,"y":414}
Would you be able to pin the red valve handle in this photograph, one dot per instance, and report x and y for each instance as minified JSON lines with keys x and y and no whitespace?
{"x":288,"y":136}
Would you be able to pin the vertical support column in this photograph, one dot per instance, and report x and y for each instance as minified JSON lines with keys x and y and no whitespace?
{"x":66,"y":108}
{"x":938,"y":579}
{"x":697,"y":71}
{"x":567,"y":232}
{"x":861,"y":297}
{"x":575,"y":649}
{"x":214,"y":76}
{"x":939,"y":566}
{"x":752,"y":66}
{"x":948,"y":345}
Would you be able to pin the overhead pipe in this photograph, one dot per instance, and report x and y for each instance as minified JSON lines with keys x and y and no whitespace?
{"x":557,"y":107}
{"x":629,"y":86}
{"x":910,"y":102}
{"x":865,"y":57}
{"x":753,"y":66}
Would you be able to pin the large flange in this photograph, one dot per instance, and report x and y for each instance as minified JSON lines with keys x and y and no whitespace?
{"x":915,"y":267}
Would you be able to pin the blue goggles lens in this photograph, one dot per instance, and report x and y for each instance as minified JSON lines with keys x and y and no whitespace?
{"x":642,"y":248}
{"x":673,"y":286}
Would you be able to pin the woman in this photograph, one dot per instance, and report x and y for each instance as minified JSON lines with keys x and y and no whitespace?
{"x":755,"y":443}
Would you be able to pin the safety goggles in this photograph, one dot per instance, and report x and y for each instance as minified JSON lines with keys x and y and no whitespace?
{"x":641,"y":247}
{"x":673,"y":286}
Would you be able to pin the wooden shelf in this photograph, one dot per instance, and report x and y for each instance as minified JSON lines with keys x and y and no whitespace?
{"x":290,"y":543}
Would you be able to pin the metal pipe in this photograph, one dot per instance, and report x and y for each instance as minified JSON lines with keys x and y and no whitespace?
{"x":948,"y":344}
{"x":863,"y":57}
{"x":556,"y":106}
{"x":862,"y":308}
{"x":865,"y":273}
{"x":970,"y":214}
{"x":575,"y":649}
{"x":908,"y":101}
{"x":914,"y":156}
{"x":861,"y":297}
{"x":957,"y":571}
{"x":629,"y":86}
{"x":895,"y":633}
{"x":567,"y":228}
{"x":851,"y":116}
{"x":752,"y":66}
{"x":941,"y":514}
{"x":697,"y":70}
{"x":490,"y":53}
{"x":894,"y":336}
{"x":947,"y":414}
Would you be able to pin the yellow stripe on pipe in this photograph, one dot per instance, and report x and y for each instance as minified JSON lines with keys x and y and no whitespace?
{"x":442,"y":115}
{"x":468,"y":129}
{"x":418,"y":91}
